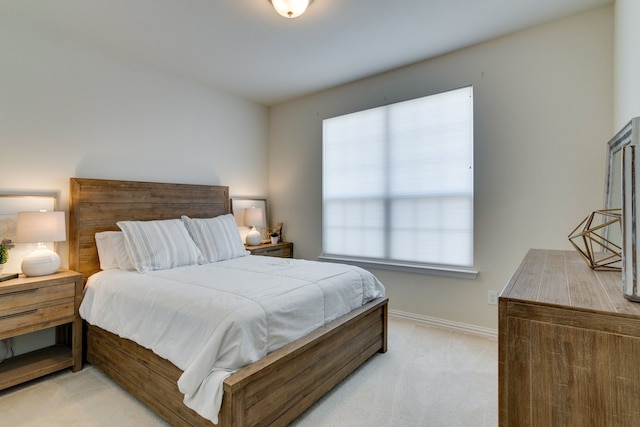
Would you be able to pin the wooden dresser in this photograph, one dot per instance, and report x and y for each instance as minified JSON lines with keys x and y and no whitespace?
{"x":569,"y":346}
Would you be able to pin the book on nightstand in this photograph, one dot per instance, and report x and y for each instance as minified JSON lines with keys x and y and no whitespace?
{"x":9,"y":276}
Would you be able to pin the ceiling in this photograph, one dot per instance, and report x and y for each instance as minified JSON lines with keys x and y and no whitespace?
{"x":244,"y":47}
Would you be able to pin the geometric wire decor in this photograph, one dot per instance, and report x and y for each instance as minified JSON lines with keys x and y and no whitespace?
{"x":591,"y":239}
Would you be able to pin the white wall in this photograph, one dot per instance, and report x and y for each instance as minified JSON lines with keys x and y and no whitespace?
{"x":68,"y":110}
{"x":627,"y":62}
{"x":543,"y":113}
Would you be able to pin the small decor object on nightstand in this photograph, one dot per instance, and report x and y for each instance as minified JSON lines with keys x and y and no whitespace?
{"x":274,"y":237}
{"x":590,"y":239}
{"x":4,"y":256}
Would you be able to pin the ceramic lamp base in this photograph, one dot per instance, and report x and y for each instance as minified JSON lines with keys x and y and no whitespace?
{"x":253,"y":237}
{"x":40,"y":262}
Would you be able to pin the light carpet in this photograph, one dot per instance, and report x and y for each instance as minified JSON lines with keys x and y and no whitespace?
{"x":429,"y":377}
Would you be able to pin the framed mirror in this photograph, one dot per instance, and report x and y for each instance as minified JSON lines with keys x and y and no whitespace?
{"x":621,"y":187}
{"x":613,"y":180}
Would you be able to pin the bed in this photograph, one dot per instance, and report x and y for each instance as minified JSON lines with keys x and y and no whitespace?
{"x":272,"y":391}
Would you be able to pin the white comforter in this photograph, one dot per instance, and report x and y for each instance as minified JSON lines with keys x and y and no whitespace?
{"x":213,"y":319}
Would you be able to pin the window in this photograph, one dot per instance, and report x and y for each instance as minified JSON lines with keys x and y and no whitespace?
{"x":398,"y":183}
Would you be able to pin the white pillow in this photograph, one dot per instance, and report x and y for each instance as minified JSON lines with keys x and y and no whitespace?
{"x":158,"y":245}
{"x":112,"y":251}
{"x":122,"y":253}
{"x":218,"y":238}
{"x":106,"y":251}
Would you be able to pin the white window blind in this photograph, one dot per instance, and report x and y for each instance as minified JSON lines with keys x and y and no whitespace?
{"x":398,"y":182}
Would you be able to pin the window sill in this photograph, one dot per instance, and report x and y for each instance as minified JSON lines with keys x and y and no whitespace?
{"x":463,"y":273}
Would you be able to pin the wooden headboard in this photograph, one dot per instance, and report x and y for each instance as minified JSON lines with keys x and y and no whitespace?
{"x":96,"y":204}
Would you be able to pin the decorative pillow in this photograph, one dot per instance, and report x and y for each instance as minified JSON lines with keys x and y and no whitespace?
{"x":158,"y":245}
{"x":106,"y":251}
{"x":218,"y":238}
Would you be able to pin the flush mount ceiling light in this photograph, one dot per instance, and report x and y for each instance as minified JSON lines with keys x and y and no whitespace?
{"x":290,"y":8}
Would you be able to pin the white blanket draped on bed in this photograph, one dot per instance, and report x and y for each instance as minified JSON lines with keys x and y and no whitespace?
{"x":211,"y":320}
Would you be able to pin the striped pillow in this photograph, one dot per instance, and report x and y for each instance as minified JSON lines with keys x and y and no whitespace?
{"x":218,"y":238}
{"x":158,"y":245}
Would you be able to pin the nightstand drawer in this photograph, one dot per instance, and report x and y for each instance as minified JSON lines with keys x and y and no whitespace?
{"x":31,"y":295}
{"x":280,"y":249}
{"x":34,"y":316}
{"x":282,"y":252}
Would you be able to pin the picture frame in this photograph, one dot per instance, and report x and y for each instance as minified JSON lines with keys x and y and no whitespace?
{"x":238,"y":206}
{"x":10,"y":205}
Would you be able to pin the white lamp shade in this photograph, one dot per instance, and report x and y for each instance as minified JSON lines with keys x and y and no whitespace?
{"x":253,"y":217}
{"x":40,"y":227}
{"x":36,"y":227}
{"x":290,"y":8}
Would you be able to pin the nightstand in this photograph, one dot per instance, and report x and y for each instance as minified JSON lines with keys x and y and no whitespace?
{"x":29,"y":304}
{"x":280,"y":249}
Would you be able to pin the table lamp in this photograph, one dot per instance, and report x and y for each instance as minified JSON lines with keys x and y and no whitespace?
{"x":253,"y":218}
{"x":40,"y":227}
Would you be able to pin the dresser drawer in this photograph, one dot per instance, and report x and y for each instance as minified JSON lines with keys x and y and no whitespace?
{"x":35,"y":317}
{"x":32,"y":295}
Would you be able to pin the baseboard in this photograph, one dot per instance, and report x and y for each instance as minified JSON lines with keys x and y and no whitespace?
{"x":443,"y":323}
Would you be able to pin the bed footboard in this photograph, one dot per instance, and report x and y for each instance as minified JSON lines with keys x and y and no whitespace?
{"x":271,"y":392}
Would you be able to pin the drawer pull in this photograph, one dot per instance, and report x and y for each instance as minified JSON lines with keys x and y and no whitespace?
{"x":23,"y":313}
{"x":24,"y":291}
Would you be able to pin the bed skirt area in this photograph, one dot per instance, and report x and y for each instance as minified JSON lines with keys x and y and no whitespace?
{"x":270,"y":392}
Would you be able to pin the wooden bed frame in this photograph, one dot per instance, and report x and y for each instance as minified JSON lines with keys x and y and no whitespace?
{"x":271,"y":392}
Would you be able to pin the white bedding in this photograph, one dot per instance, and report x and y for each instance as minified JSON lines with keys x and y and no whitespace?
{"x":211,"y":320}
